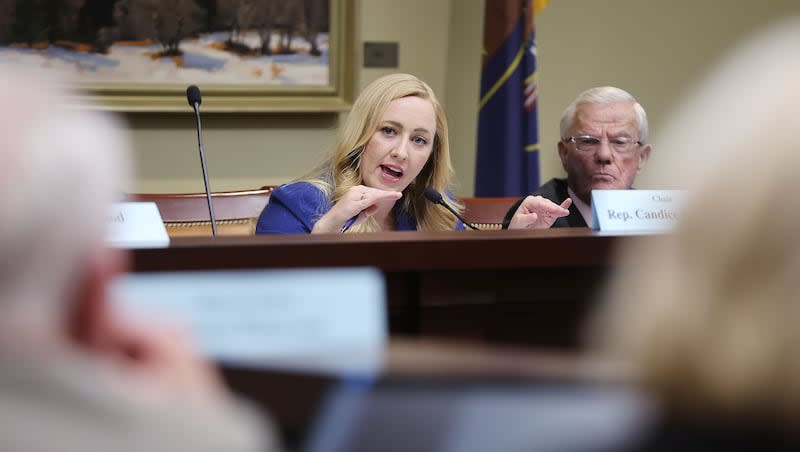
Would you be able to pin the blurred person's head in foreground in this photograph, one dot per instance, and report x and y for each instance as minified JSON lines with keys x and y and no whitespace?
{"x":709,"y":315}
{"x":73,"y":375}
{"x":61,"y":168}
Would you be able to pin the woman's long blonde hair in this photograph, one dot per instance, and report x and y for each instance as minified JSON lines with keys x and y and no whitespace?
{"x":342,"y":169}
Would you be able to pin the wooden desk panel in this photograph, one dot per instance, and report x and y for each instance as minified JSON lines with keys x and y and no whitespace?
{"x":521,"y":287}
{"x":539,"y":306}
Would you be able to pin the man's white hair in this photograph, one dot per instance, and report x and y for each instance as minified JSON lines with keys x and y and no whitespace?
{"x":61,"y":165}
{"x":604,"y":95}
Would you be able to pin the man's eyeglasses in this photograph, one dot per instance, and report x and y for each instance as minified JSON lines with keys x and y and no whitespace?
{"x":620,"y":145}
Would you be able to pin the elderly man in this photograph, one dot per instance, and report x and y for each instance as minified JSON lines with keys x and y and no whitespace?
{"x":73,"y":375}
{"x":603,"y":146}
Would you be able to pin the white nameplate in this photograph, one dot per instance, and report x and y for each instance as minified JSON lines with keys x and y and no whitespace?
{"x":322,"y":320}
{"x":636,"y":210}
{"x":136,"y":225}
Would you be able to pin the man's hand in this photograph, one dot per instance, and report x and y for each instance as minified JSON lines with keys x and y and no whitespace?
{"x":537,"y":212}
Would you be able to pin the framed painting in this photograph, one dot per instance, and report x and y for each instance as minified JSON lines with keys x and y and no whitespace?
{"x":141,"y":55}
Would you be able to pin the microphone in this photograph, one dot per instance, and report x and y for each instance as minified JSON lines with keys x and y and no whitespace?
{"x":193,"y":96}
{"x":436,"y":198}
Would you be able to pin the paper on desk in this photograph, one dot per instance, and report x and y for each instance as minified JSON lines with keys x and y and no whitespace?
{"x":136,"y":225}
{"x":320,"y":320}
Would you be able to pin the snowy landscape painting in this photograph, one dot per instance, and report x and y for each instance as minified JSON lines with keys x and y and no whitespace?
{"x":261,"y":47}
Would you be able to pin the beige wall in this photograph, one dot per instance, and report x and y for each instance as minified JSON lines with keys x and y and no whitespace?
{"x":652,"y":48}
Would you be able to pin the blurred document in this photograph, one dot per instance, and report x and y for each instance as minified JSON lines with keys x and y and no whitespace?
{"x":636,"y":210}
{"x":136,"y":225}
{"x":322,"y":320}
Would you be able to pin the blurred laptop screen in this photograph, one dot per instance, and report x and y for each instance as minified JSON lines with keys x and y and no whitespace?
{"x":452,"y":415}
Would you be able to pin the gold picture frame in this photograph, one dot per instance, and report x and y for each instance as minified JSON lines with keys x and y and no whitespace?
{"x":141,"y":92}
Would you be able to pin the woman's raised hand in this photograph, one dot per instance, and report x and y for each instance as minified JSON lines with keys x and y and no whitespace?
{"x":360,"y":201}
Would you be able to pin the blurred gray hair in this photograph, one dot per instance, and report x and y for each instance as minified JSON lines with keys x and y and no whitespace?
{"x":61,"y":165}
{"x":604,"y":95}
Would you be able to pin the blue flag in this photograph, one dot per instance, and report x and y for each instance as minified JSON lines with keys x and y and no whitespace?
{"x":507,"y":161}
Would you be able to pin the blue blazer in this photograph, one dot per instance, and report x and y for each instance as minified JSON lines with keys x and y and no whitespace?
{"x":294,"y":209}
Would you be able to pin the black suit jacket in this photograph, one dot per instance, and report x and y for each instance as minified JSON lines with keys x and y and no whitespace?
{"x":555,"y":190}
